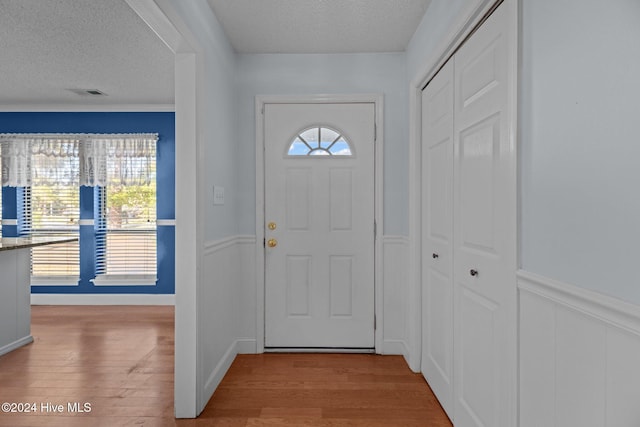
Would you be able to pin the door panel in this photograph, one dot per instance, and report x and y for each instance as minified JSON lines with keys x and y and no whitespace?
{"x":298,"y":201}
{"x":341,"y":270}
{"x":298,"y":284}
{"x":319,"y":274}
{"x":477,"y":363}
{"x":437,"y":236}
{"x":479,"y":154}
{"x":484,"y":218}
{"x":341,"y":201}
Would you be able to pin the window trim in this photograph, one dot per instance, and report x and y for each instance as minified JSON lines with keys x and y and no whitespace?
{"x":125,"y":280}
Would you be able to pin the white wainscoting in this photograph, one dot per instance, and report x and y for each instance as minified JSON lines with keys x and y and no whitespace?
{"x":227,"y":324}
{"x":227,"y":303}
{"x":246,"y":315}
{"x":579,"y":356}
{"x":395,"y":279}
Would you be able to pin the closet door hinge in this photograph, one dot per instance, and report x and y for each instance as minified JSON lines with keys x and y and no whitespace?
{"x":375,"y":323}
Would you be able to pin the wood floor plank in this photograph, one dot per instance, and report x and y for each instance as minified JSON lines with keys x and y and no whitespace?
{"x":120,"y":360}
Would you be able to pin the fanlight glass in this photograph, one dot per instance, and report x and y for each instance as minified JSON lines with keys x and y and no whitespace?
{"x":320,"y":141}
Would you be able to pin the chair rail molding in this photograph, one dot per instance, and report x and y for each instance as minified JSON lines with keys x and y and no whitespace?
{"x":607,"y":309}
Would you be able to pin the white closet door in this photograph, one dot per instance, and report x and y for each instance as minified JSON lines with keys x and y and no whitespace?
{"x":485,"y":226}
{"x":437,"y":236}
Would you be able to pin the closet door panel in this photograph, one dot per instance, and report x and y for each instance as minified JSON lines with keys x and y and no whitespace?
{"x":484,"y":225}
{"x":437,"y":236}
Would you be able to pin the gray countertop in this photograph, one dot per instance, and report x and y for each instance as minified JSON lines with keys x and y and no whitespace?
{"x":9,"y":243}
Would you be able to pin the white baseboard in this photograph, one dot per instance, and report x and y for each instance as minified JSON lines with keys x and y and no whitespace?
{"x":103,"y":299}
{"x":396,"y":347}
{"x":218,"y":373}
{"x":16,"y":344}
{"x":246,"y":346}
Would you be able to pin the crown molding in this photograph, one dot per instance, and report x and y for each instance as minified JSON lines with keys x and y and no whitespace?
{"x":78,"y":108}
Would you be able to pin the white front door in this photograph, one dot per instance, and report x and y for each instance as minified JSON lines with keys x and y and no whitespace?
{"x":485,"y":226}
{"x":319,"y":225}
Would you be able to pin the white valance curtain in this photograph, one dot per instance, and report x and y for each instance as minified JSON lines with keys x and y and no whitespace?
{"x":29,"y":159}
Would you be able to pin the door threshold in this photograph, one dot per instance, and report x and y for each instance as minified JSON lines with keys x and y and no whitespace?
{"x":319,"y":350}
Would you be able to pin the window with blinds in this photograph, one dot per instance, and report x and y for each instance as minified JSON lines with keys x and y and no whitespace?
{"x":126,"y":226}
{"x":51,"y":206}
{"x":1,"y":215}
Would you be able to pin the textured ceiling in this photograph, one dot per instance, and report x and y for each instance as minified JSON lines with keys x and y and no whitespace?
{"x":49,"y":47}
{"x":319,"y":26}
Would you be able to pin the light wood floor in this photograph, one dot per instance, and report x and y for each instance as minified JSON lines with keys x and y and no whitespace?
{"x":120,"y":360}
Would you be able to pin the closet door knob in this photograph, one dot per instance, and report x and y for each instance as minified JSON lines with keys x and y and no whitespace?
{"x":435,"y":255}
{"x":473,"y":272}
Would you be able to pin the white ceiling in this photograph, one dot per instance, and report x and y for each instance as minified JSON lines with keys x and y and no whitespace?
{"x":319,"y":26}
{"x":50,"y":48}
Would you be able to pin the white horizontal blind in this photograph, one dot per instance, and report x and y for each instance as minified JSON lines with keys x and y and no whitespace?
{"x":126,"y":224}
{"x":51,"y":206}
{"x":1,"y":216}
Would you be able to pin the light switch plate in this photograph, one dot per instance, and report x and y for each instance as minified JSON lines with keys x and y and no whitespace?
{"x":218,"y":195}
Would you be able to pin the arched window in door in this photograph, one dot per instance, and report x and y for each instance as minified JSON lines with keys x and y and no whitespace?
{"x":320,"y":141}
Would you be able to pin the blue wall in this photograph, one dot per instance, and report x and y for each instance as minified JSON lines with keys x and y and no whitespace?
{"x":161,"y":123}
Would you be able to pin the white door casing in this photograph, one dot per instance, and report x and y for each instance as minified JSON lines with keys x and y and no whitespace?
{"x":485,"y":210}
{"x":319,"y":276}
{"x":437,"y":236}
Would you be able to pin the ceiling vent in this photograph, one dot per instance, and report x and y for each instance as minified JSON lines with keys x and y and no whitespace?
{"x":88,"y":92}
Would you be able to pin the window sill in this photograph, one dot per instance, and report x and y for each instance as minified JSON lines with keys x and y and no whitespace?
{"x":124,"y":280}
{"x":55,"y":280}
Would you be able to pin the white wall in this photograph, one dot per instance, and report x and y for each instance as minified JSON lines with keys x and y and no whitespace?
{"x":293,"y":74}
{"x":290,"y":74}
{"x":217,"y":123}
{"x":443,"y":19}
{"x":207,"y":305}
{"x":579,"y":144}
{"x":579,"y":314}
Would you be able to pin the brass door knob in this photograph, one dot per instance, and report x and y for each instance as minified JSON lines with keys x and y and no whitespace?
{"x":271,"y":226}
{"x":272,"y":243}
